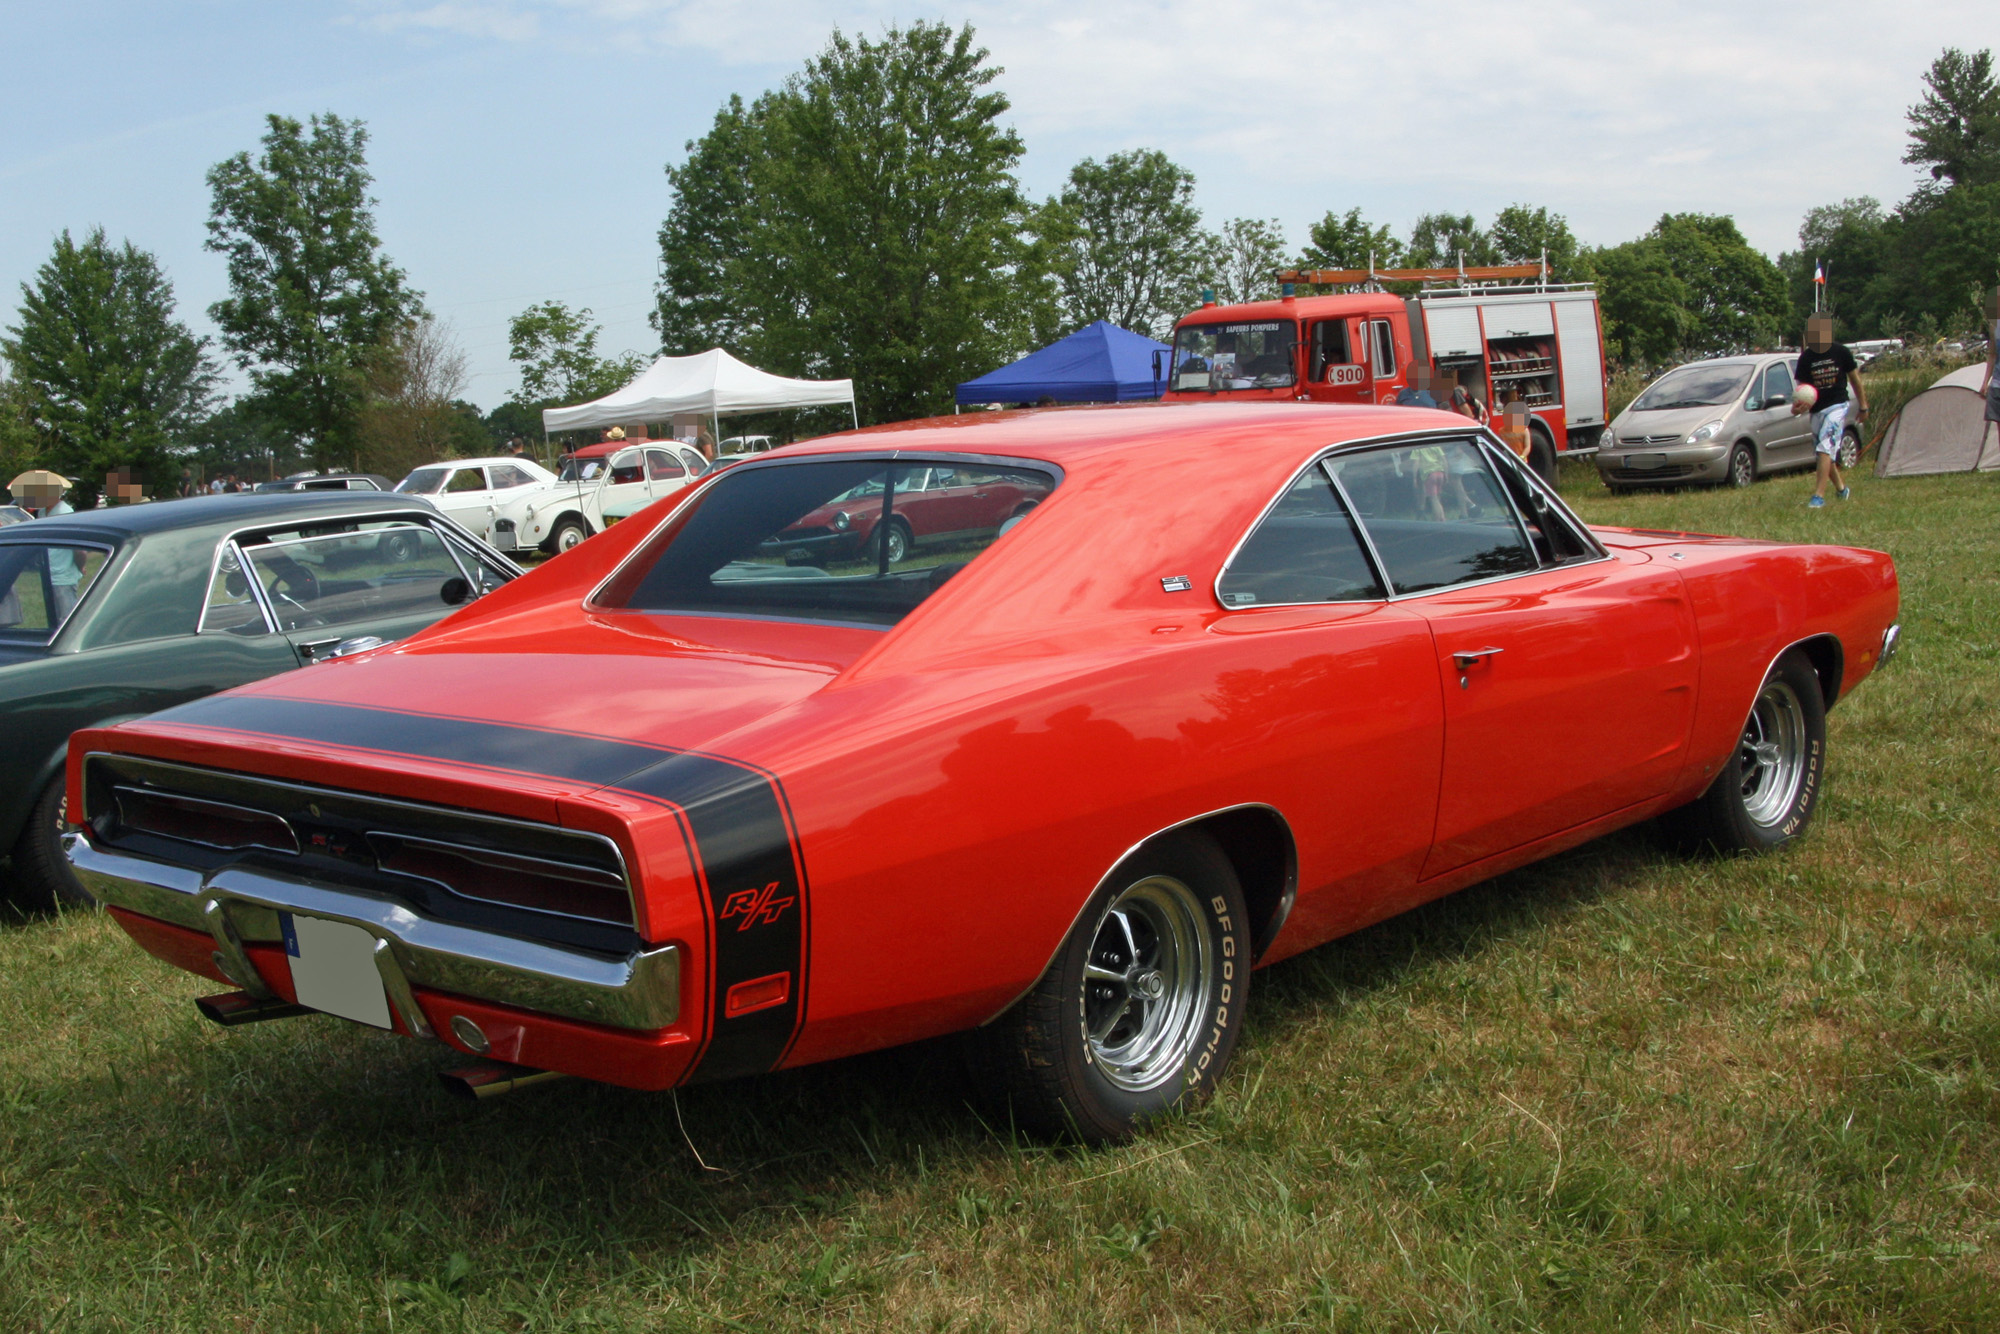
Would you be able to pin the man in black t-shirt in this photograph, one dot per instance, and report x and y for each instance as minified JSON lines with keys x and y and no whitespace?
{"x":1830,"y":369}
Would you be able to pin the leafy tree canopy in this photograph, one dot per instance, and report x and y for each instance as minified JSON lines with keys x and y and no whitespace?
{"x":1134,"y":251}
{"x":1523,"y":235}
{"x":1440,"y":240}
{"x":1955,"y":127}
{"x":556,"y":349}
{"x":862,"y":221}
{"x":311,"y":293}
{"x":107,"y":376}
{"x":1244,"y":259}
{"x":1644,"y":305}
{"x":1348,"y":241}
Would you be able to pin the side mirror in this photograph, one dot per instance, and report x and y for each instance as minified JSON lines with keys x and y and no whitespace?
{"x":454,"y":591}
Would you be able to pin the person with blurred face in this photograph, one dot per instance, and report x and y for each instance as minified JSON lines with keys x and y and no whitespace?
{"x":1990,"y":386}
{"x":1831,"y":370}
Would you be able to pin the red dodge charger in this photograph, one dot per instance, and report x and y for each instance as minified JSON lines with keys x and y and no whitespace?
{"x":1185,"y":690}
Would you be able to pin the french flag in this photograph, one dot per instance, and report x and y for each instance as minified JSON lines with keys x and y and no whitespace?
{"x":1819,"y":275}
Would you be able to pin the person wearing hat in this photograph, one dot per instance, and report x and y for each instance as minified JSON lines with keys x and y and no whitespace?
{"x":40,"y":492}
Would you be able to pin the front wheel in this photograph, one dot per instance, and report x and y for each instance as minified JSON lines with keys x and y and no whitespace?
{"x":568,"y":532}
{"x":1742,"y":466}
{"x":1769,"y":786}
{"x":1141,"y":1008}
{"x":43,"y":878}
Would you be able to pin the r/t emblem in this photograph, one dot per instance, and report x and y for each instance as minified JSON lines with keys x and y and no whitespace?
{"x":755,"y":905}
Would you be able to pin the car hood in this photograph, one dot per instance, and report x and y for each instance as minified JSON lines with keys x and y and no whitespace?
{"x":613,"y":699}
{"x":1674,"y":422}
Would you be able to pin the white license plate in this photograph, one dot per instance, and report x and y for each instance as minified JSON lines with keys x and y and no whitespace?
{"x":333,"y":969}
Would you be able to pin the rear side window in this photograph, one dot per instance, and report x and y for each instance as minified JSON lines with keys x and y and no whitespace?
{"x":1436,"y":514}
{"x":371,"y":573}
{"x":1307,"y":549}
{"x":851,"y":540}
{"x":40,"y":585}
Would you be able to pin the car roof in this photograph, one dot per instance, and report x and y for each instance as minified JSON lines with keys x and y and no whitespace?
{"x":225,"y":511}
{"x":472,"y":463}
{"x":1082,"y":435}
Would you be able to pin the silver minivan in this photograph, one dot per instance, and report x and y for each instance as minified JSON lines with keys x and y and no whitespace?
{"x":1726,"y":420}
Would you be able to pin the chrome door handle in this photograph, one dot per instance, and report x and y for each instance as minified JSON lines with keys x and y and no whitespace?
{"x":1465,"y":658}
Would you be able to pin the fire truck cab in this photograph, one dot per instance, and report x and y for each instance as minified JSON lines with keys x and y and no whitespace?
{"x":1538,"y":344}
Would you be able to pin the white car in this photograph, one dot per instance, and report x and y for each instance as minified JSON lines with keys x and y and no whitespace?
{"x":594,"y":493}
{"x":471,"y":491}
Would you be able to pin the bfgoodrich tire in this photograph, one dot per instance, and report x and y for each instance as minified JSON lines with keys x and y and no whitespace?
{"x":1769,"y":786}
{"x":1140,"y":1010}
{"x":43,"y":877}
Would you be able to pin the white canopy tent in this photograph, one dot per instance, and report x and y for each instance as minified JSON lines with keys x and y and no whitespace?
{"x":712,"y":384}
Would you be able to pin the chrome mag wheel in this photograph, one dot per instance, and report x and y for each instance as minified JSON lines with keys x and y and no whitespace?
{"x":1771,"y":755}
{"x":1146,"y":984}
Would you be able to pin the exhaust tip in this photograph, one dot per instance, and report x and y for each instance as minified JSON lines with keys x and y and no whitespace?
{"x":232,"y":1008}
{"x":490,"y":1079}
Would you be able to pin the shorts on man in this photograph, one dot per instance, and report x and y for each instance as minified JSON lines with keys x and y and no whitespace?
{"x":1827,"y":425}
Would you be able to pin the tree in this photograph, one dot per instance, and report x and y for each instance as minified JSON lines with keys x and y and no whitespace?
{"x":411,"y":416}
{"x":1444,"y":240}
{"x":311,"y":293}
{"x":1642,"y":302}
{"x":1955,"y":128}
{"x":707,"y":228}
{"x":1848,"y":243}
{"x":1244,"y":259}
{"x":868,"y":223}
{"x":556,"y":349}
{"x":240,"y":440}
{"x":1735,"y":295}
{"x":1347,"y":241}
{"x":1523,"y":235}
{"x":1944,"y":256}
{"x":1134,"y":249}
{"x":19,"y":450}
{"x":109,"y":377}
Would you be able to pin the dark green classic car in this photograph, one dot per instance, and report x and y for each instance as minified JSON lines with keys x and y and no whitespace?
{"x":116,"y":613}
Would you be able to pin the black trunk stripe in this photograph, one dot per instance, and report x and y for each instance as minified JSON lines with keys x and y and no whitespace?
{"x":752,"y":874}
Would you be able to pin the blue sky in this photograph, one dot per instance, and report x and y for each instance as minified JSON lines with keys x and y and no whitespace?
{"x":517,"y":145}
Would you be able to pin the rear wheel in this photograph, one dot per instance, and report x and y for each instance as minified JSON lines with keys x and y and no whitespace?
{"x":1742,"y":465}
{"x":1141,"y":1008}
{"x":1850,"y":449}
{"x":43,"y":877}
{"x":1769,"y":786}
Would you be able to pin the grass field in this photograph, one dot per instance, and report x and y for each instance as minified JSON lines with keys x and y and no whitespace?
{"x":1617,"y":1091}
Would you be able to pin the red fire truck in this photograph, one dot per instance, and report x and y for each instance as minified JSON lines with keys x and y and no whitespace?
{"x":1502,"y":331}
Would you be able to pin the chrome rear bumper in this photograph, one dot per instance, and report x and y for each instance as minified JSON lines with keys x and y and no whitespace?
{"x":237,"y":905}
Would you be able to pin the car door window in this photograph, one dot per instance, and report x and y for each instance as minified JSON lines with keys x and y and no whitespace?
{"x":232,"y":607}
{"x":1777,"y":385}
{"x":375,"y":573}
{"x":1435,"y":513}
{"x":627,"y":468}
{"x":466,"y":479}
{"x":1307,"y":549}
{"x":40,"y":584}
{"x":1385,"y":350}
{"x":662,"y":466}
{"x":505,"y":476}
{"x":697,"y":466}
{"x":1557,"y":539}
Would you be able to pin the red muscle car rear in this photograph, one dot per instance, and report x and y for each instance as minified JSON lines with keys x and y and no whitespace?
{"x":1240,"y":680}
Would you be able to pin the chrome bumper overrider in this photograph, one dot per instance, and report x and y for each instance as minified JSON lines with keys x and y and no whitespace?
{"x":236,"y":905}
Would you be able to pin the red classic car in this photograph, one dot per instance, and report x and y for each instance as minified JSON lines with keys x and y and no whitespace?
{"x":932,"y":506}
{"x":1066,"y":784}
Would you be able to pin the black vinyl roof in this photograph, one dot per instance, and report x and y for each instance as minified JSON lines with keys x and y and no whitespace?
{"x":223,"y":512}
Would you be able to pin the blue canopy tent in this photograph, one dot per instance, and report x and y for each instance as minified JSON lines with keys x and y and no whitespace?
{"x":1099,"y":363}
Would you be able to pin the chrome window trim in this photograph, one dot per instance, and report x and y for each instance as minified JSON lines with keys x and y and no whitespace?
{"x":228,"y":544}
{"x":1402,"y":438}
{"x":1534,"y":482}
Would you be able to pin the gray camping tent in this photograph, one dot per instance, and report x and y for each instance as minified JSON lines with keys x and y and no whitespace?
{"x":1943,"y":429}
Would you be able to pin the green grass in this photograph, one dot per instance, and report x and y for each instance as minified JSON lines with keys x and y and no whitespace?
{"x":1616,"y":1091}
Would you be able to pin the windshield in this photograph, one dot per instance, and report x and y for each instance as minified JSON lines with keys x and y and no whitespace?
{"x":1694,"y":387}
{"x":1252,"y":354}
{"x":838,"y":540}
{"x":423,"y":482}
{"x":40,"y":584}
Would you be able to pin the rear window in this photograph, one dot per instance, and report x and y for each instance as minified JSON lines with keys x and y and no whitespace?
{"x":40,"y":585}
{"x":849,"y":540}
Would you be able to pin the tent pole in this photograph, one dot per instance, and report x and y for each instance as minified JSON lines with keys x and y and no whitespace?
{"x":855,"y":413}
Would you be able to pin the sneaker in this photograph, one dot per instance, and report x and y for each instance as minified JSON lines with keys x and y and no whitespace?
{"x":1816,"y":503}
{"x":1845,"y":492}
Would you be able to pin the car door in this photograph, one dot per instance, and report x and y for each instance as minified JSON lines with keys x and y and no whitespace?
{"x":1331,"y":683}
{"x":381,"y":579}
{"x":666,"y":473}
{"x":623,"y":490}
{"x":1568,"y":675}
{"x":1336,"y":362}
{"x":466,"y":496}
{"x":1784,"y":437}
